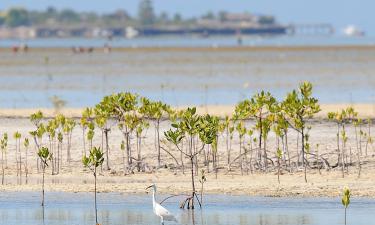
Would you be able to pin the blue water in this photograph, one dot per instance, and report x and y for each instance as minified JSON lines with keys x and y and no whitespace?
{"x":118,"y":209}
{"x":187,"y":77}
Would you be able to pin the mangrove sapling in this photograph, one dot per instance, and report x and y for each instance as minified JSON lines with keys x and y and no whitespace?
{"x":345,"y":116}
{"x":102,"y":117}
{"x":45,"y":156}
{"x":155,"y":111}
{"x":369,"y":139}
{"x":59,"y":150}
{"x":299,"y":107}
{"x":26,"y":145}
{"x":142,"y":125}
{"x":345,"y":201}
{"x":132,"y":122}
{"x":250,"y":133}
{"x":121,"y":106}
{"x":86,"y":119}
{"x":279,"y":155}
{"x":3,"y":145}
{"x":211,"y":124}
{"x":17,"y":137}
{"x":123,"y":148}
{"x":93,"y":161}
{"x":68,"y":131}
{"x":357,"y":123}
{"x":51,"y":131}
{"x":90,"y":133}
{"x":190,"y":127}
{"x":241,"y":133}
{"x":259,"y":107}
{"x":101,"y":123}
{"x":280,"y":128}
{"x":226,"y":126}
{"x":202,"y":180}
{"x":36,"y":119}
{"x":60,"y":121}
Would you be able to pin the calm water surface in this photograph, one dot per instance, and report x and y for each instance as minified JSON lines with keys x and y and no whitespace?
{"x":187,"y":77}
{"x":116,"y":209}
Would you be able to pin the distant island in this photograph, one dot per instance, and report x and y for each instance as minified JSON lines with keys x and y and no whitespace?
{"x":24,"y":24}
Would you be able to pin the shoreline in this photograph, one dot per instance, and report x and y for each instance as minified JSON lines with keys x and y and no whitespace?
{"x":328,"y":184}
{"x":364,"y":47}
{"x":365,"y":110}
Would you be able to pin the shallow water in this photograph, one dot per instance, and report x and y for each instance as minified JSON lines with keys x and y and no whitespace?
{"x":116,"y":209}
{"x":191,"y":77}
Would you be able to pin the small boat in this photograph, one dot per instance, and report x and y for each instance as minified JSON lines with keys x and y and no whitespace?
{"x":353,"y":31}
{"x":131,"y":33}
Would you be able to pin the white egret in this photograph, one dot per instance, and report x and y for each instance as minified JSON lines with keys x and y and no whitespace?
{"x":159,"y":210}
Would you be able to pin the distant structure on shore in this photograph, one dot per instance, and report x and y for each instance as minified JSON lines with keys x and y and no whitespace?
{"x":23,"y":24}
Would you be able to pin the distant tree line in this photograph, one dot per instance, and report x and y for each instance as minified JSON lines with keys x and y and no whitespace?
{"x":15,"y":17}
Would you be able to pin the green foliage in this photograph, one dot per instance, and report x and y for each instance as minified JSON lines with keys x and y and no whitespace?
{"x":95,"y":158}
{"x":17,"y":17}
{"x":146,"y":13}
{"x":241,"y":129}
{"x":209,"y":129}
{"x":17,"y":135}
{"x":300,"y":105}
{"x":261,"y":108}
{"x":69,"y":125}
{"x":346,"y":198}
{"x":91,"y":132}
{"x":174,"y":136}
{"x":202,"y":178}
{"x":26,"y":143}
{"x":4,"y":142}
{"x":279,"y":153}
{"x":259,"y":104}
{"x":205,"y":127}
{"x":36,"y":118}
{"x":122,"y":146}
{"x":45,"y":155}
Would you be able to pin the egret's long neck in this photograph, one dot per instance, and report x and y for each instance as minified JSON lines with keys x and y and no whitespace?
{"x":153,"y":197}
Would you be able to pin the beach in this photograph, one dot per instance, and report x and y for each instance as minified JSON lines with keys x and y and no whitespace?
{"x":75,"y":178}
{"x":213,"y":79}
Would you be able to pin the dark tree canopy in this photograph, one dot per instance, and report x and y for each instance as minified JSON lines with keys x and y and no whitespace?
{"x":146,"y":13}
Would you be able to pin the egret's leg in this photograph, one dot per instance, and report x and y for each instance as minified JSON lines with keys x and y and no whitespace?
{"x":162,"y":220}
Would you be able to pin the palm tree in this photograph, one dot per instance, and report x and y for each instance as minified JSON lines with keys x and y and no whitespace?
{"x":93,"y":161}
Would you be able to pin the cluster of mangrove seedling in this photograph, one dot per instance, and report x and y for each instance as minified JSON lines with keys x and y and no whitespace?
{"x":191,"y":141}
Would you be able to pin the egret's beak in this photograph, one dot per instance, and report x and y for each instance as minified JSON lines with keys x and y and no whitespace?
{"x":149,"y":187}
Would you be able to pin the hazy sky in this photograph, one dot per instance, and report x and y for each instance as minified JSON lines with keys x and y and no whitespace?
{"x":340,"y":13}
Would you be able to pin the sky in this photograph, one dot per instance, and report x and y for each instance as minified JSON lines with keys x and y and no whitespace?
{"x":339,"y":13}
